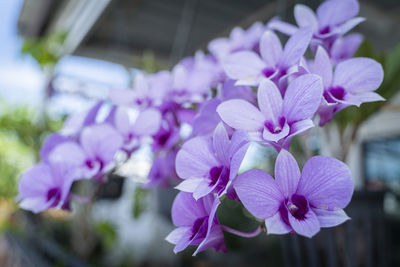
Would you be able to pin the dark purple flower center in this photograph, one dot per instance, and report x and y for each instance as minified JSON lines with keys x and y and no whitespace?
{"x":268,"y":72}
{"x":215,"y":172}
{"x":130,"y":137}
{"x":272,"y":128}
{"x":91,"y":163}
{"x":297,"y":205}
{"x":219,"y":175}
{"x":54,"y":195}
{"x":199,"y":228}
{"x":162,"y":137}
{"x":282,"y":72}
{"x":337,"y":92}
{"x":325,"y":30}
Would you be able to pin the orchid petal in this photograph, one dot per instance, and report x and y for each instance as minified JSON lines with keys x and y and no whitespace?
{"x":348,"y":25}
{"x":308,"y":226}
{"x":287,"y":173}
{"x":185,"y":210}
{"x":258,"y":193}
{"x":221,"y":143}
{"x":358,"y":74}
{"x":204,"y":188}
{"x":148,"y":122}
{"x":270,"y":101}
{"x":195,"y":158}
{"x":326,"y":182}
{"x":244,"y":65}
{"x":345,"y":47}
{"x":295,"y":47}
{"x":322,"y":66}
{"x":102,"y":141}
{"x":275,"y":137}
{"x":363,"y":97}
{"x":176,"y":235}
{"x":335,"y":12}
{"x":302,"y":97}
{"x":184,"y":242}
{"x":275,"y":225}
{"x":214,"y":235}
{"x":282,"y":27}
{"x":330,"y":218}
{"x":237,"y":160}
{"x":305,"y":17}
{"x":189,"y":185}
{"x":270,"y":48}
{"x":240,"y":114}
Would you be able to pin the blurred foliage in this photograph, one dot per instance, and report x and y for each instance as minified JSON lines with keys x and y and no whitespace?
{"x":45,"y":50}
{"x":139,"y":201}
{"x":390,"y":86}
{"x":107,"y":233}
{"x":149,"y":63}
{"x":20,"y":140}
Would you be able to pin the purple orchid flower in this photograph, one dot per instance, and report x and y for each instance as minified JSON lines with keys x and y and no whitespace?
{"x":168,"y":134}
{"x":148,"y":90}
{"x":228,"y":90}
{"x":147,"y":123}
{"x":100,"y":143}
{"x":352,"y":83}
{"x":94,"y":155}
{"x":345,"y":47}
{"x":45,"y":186}
{"x":209,"y":164}
{"x":277,"y":120}
{"x":50,"y":143}
{"x":192,"y":79}
{"x":207,"y":118}
{"x":333,"y":19}
{"x":76,"y":122}
{"x":197,"y":224}
{"x":249,"y":69}
{"x":294,"y":202}
{"x":239,"y":40}
{"x":162,"y":172}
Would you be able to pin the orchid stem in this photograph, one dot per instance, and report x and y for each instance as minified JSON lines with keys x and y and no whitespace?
{"x":239,"y":233}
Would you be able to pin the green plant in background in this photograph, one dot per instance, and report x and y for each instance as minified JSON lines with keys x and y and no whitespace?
{"x":20,"y":140}
{"x":106,"y":231}
{"x":45,"y":50}
{"x":139,"y":202}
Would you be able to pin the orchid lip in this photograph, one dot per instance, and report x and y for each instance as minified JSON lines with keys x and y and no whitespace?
{"x":219,"y":177}
{"x":268,"y":72}
{"x":298,"y":206}
{"x":272,"y":128}
{"x":197,"y":227}
{"x":54,"y":195}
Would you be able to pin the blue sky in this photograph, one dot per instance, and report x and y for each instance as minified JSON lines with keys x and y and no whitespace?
{"x":21,"y":79}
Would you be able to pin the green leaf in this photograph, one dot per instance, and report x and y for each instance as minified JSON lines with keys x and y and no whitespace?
{"x":139,"y":202}
{"x":107,"y":233}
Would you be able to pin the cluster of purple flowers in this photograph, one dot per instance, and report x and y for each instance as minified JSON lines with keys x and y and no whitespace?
{"x":250,"y":88}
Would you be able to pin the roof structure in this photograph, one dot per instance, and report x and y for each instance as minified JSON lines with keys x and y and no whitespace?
{"x":122,"y":31}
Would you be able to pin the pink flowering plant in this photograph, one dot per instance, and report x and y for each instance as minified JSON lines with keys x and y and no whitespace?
{"x":249,"y":89}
